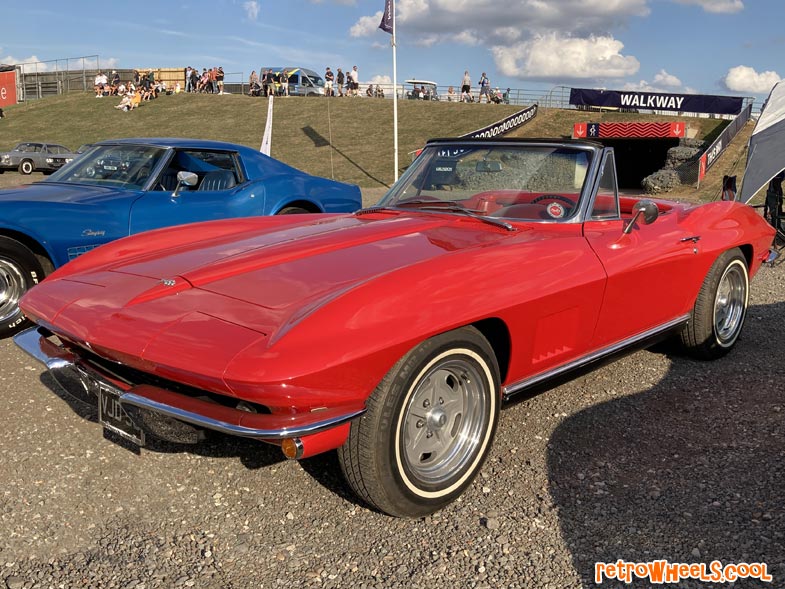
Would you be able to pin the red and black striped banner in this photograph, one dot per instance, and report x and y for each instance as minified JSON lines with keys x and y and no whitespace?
{"x":628,"y":130}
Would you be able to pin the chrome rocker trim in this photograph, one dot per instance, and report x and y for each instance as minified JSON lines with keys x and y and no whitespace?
{"x":194,"y":411}
{"x":583,"y":362}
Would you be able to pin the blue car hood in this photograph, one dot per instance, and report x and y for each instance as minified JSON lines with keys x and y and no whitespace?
{"x":65,"y":193}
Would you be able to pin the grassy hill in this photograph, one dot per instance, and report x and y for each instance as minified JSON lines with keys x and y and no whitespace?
{"x":349,"y":139}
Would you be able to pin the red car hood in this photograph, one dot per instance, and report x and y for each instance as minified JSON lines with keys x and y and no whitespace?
{"x":163,"y":306}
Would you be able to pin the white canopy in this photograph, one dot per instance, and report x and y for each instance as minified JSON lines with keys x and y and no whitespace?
{"x":766,"y":155}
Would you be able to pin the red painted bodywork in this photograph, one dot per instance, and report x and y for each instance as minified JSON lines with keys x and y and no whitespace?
{"x":300,"y":313}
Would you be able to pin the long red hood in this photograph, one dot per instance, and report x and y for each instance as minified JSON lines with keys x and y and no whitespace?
{"x":184,"y":288}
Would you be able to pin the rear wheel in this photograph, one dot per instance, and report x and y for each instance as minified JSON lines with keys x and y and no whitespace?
{"x":428,"y":426}
{"x":26,"y":167}
{"x":720,"y":309}
{"x":20,"y":270}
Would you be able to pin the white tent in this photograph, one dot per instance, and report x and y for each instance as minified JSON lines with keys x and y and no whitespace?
{"x":766,"y":155}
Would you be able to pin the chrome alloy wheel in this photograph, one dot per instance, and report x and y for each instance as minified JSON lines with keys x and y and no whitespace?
{"x":445,"y":421}
{"x":730,"y":303}
{"x":12,"y":287}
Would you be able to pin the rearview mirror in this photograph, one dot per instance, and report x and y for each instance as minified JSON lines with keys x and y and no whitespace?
{"x":185,"y":179}
{"x":643,"y":208}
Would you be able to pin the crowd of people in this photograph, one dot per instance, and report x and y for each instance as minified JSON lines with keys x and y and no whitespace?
{"x":207,"y":82}
{"x":269,"y":83}
{"x":140,"y":88}
{"x":339,"y":83}
{"x":143,"y":86}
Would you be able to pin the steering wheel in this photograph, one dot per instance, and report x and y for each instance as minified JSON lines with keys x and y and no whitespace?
{"x":558,"y":211}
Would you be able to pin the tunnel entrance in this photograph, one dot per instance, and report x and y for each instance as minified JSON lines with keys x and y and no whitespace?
{"x":638,"y":158}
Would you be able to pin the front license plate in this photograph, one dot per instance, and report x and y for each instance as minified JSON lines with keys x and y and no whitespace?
{"x":114,"y":418}
{"x":112,"y":168}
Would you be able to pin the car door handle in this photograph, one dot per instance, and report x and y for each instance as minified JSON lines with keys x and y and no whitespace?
{"x":693,"y":239}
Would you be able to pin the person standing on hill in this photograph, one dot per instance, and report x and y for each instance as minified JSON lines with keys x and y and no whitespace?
{"x":466,"y":87}
{"x":485,"y":89}
{"x":355,"y":77}
{"x":329,"y":78}
{"x":219,"y":79}
{"x":339,"y":79}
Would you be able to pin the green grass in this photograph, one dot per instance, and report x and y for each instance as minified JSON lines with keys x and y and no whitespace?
{"x":349,"y":139}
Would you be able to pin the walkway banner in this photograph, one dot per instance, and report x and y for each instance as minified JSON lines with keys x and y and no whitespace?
{"x":703,"y":103}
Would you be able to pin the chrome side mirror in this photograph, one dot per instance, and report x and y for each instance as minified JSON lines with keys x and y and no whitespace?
{"x":646,"y":208}
{"x":185,"y":179}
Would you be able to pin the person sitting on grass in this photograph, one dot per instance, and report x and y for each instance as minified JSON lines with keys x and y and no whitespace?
{"x":136,"y":98}
{"x":125,"y":103}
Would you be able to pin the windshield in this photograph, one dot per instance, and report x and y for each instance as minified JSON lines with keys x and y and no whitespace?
{"x":125,"y":166}
{"x":532,"y":182}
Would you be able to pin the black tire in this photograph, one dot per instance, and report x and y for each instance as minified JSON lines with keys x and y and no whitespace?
{"x":26,"y":167}
{"x":718,"y":315}
{"x":293,"y":211}
{"x":20,"y":270}
{"x":428,"y":426}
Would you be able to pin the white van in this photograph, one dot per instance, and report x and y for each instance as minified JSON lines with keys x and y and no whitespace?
{"x":302,"y":81}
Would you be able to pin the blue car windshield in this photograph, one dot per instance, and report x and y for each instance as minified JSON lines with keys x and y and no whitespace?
{"x":115,"y":166}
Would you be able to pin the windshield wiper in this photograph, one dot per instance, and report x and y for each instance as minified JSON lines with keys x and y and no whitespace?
{"x":437,"y":205}
{"x":453,"y":208}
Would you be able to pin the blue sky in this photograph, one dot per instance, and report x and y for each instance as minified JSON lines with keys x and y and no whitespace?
{"x":730,"y":47}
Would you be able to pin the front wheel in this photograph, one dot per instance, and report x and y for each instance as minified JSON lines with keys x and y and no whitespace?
{"x":428,"y":426}
{"x":720,"y":309}
{"x":20,"y":271}
{"x":26,"y":167}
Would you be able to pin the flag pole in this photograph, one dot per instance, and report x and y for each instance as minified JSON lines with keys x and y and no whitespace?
{"x":388,"y":26}
{"x":395,"y":94}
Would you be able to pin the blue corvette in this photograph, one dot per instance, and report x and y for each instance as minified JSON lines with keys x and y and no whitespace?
{"x":121,"y":187}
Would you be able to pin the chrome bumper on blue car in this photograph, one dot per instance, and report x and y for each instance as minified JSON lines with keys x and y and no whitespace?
{"x":183,"y":408}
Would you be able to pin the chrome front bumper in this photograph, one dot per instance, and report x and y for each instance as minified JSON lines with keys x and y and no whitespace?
{"x":197,"y":412}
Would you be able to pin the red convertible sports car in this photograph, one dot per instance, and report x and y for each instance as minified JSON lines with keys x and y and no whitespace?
{"x":395,"y":333}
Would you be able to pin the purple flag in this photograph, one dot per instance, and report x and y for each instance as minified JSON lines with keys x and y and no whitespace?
{"x":387,"y":18}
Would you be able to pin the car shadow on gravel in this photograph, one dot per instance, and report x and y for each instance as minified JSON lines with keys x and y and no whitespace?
{"x":251,"y":453}
{"x":690,"y":470}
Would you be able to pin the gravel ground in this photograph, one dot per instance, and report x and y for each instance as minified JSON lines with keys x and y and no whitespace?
{"x":651,"y":457}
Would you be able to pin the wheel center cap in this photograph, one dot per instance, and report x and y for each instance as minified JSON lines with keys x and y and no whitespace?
{"x":437,"y":417}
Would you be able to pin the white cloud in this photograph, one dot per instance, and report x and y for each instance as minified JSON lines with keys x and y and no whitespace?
{"x":382,"y":80}
{"x":743,"y":78}
{"x":556,"y":57}
{"x":665,"y":79}
{"x":663,"y":82}
{"x":719,"y":6}
{"x":503,"y":21}
{"x":466,"y":38}
{"x":32,"y":63}
{"x":366,"y":26}
{"x":426,"y":40}
{"x":251,"y":9}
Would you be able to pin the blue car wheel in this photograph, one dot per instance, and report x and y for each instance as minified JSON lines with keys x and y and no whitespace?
{"x":20,"y":271}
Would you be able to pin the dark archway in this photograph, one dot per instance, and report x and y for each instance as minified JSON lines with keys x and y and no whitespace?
{"x":638,"y":158}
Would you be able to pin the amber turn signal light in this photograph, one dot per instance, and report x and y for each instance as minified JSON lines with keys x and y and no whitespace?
{"x":292,"y":448}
